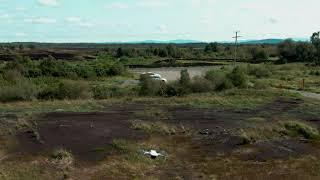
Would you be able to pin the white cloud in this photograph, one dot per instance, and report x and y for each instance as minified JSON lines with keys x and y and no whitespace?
{"x":73,"y":19}
{"x":20,"y":34}
{"x":163,"y":29}
{"x":21,"y":8}
{"x":117,"y":5}
{"x":152,"y":3}
{"x":79,"y":22}
{"x":48,"y":2}
{"x":4,"y":16}
{"x":41,"y":20}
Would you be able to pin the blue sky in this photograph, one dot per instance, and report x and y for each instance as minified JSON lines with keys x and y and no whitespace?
{"x":136,"y":20}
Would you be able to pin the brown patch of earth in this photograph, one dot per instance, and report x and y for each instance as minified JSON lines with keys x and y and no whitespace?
{"x":89,"y":135}
{"x":86,"y":135}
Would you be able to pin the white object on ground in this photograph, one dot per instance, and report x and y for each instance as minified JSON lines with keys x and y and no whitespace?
{"x":153,"y":153}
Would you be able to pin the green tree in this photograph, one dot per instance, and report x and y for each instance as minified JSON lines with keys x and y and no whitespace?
{"x":315,"y":40}
{"x":120,"y":53}
{"x":287,"y":51}
{"x":305,"y":52}
{"x":258,"y":54}
{"x":211,"y":47}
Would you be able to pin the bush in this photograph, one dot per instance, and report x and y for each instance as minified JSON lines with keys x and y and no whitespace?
{"x":105,"y":92}
{"x":200,"y":85}
{"x":49,"y":92}
{"x":260,"y":84}
{"x":315,"y":73}
{"x":62,"y":158}
{"x":184,"y":78}
{"x":238,"y":77}
{"x":73,"y":90}
{"x":259,"y":71}
{"x":219,"y":80}
{"x":22,"y":90}
{"x":117,"y":69}
{"x":12,"y":75}
{"x":150,"y":87}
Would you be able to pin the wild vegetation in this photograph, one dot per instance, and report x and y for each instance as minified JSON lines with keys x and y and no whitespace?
{"x":93,"y":119}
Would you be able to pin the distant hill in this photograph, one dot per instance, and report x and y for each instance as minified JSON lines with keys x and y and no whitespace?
{"x":263,"y":41}
{"x":271,"y":41}
{"x":186,"y":41}
{"x":177,"y":41}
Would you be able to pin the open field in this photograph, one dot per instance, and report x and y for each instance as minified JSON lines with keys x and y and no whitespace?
{"x":94,"y":119}
{"x":243,"y":134}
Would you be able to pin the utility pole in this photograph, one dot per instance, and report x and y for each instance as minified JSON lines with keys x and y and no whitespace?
{"x":236,"y":47}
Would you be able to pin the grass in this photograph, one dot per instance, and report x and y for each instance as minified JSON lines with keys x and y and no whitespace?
{"x":237,"y":98}
{"x":299,"y":129}
{"x":157,"y":127}
{"x":62,"y":159}
{"x":152,"y":113}
{"x":310,"y":107}
{"x":185,"y":157}
{"x":264,"y":131}
{"x":36,"y":170}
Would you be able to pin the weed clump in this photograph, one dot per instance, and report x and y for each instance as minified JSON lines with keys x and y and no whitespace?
{"x":157,"y":127}
{"x":62,"y":158}
{"x":294,"y":128}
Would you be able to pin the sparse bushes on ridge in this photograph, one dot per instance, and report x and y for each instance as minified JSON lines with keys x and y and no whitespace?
{"x":51,"y":67}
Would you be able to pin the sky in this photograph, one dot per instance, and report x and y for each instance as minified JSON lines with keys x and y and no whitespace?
{"x":138,"y":20}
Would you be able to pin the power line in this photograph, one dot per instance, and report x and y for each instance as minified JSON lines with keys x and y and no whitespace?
{"x":236,"y":46}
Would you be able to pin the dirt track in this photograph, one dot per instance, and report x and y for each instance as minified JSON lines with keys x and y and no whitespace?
{"x":173,"y":73}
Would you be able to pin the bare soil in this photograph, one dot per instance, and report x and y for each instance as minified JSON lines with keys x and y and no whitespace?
{"x":89,"y":136}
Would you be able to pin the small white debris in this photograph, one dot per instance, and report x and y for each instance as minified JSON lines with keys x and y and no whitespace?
{"x":152,"y":153}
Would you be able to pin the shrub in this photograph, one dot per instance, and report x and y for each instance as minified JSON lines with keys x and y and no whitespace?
{"x":12,"y":75}
{"x":173,"y":89}
{"x":315,"y":73}
{"x":21,"y":91}
{"x":184,"y":78}
{"x":260,"y":84}
{"x":151,"y":87}
{"x":258,"y":71}
{"x":62,"y":158}
{"x":117,"y":69}
{"x":105,"y":92}
{"x":200,"y":85}
{"x":238,"y":77}
{"x":219,"y":80}
{"x":73,"y":90}
{"x":49,"y":92}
